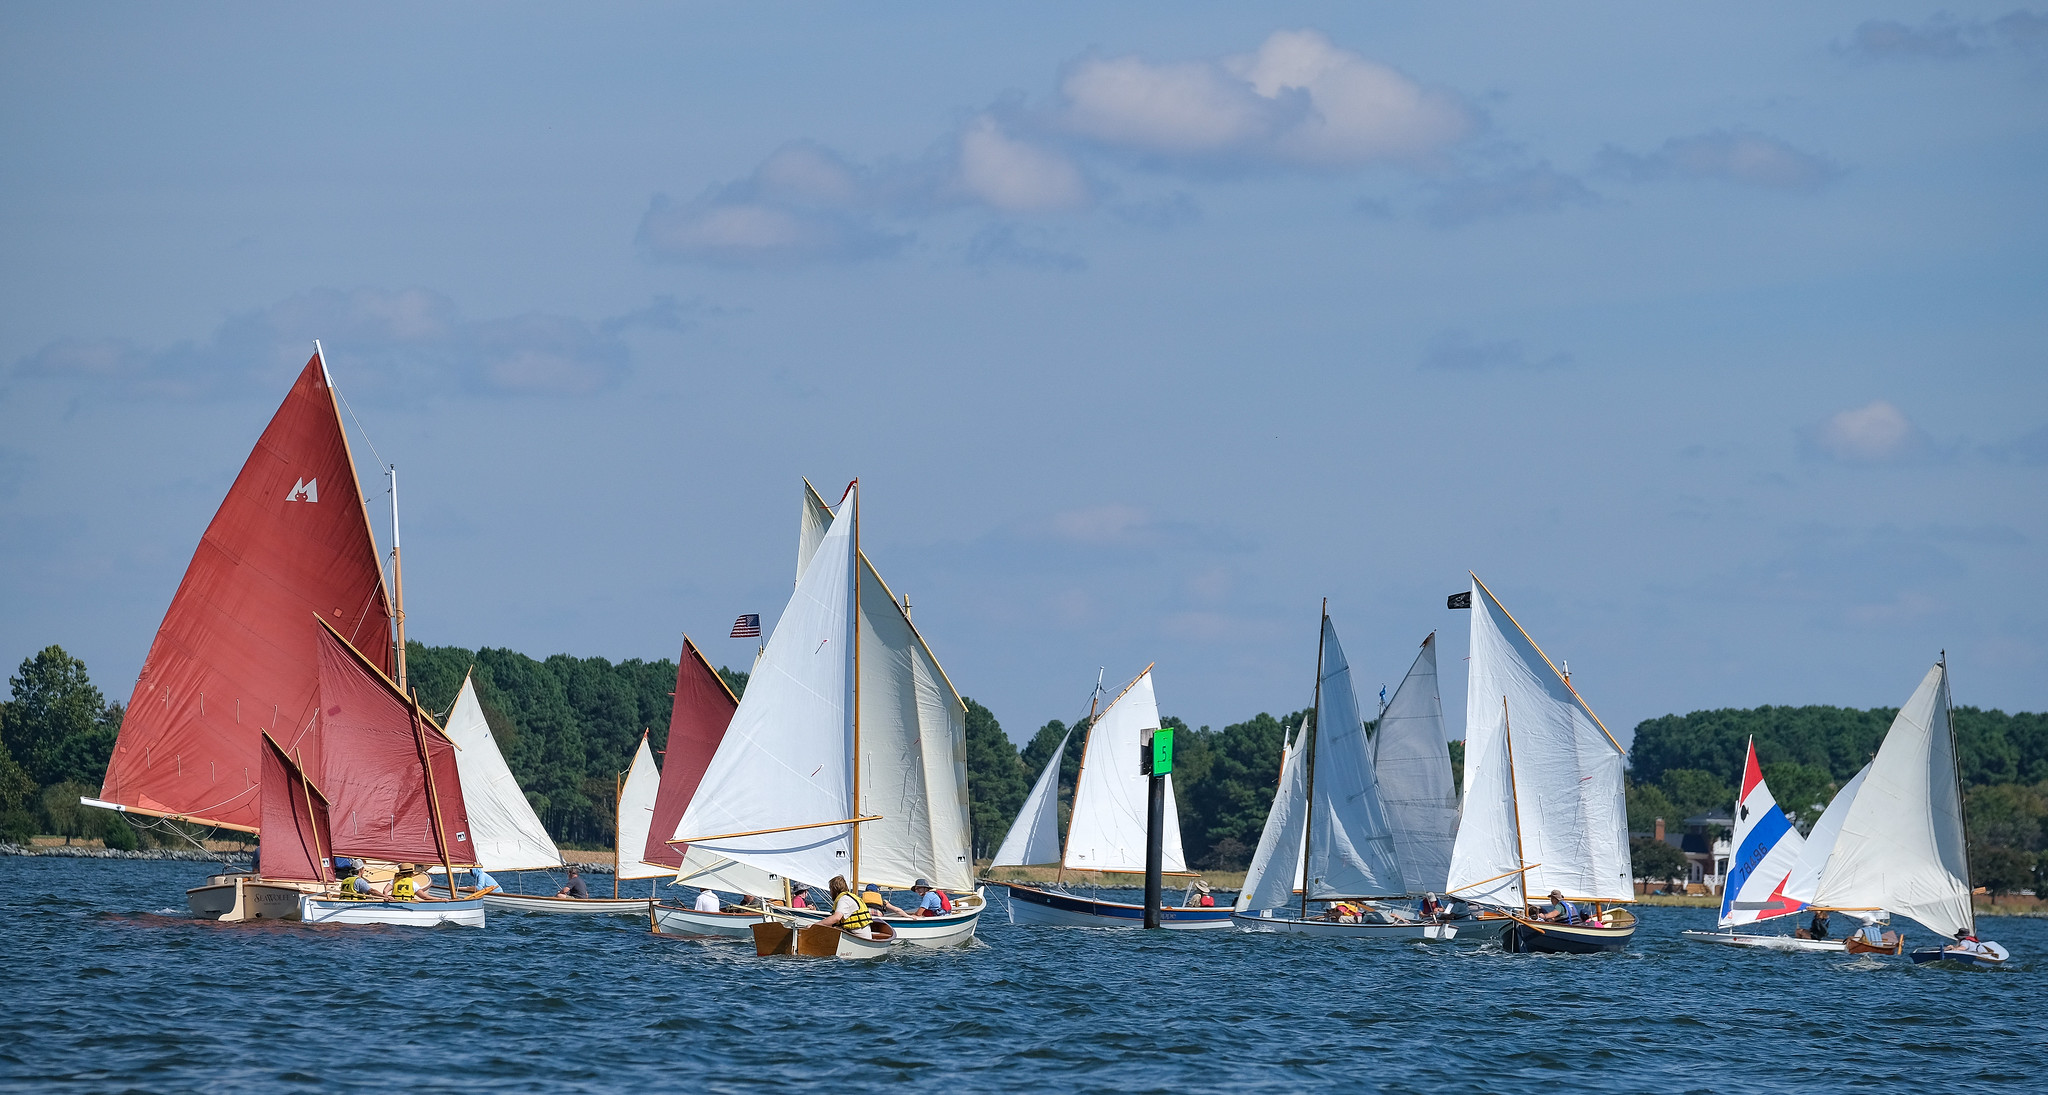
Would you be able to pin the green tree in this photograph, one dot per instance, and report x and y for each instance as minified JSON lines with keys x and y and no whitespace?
{"x":1694,"y":792}
{"x":2001,"y":870}
{"x":1656,"y":861}
{"x":1647,"y":802}
{"x":996,"y":783}
{"x":1802,"y":791}
{"x":57,"y":726}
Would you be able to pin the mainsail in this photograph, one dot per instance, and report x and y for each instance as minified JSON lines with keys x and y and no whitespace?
{"x":636,"y":817}
{"x":697,"y":722}
{"x":296,"y":838}
{"x":1820,"y":841}
{"x":1901,"y":846}
{"x":1767,"y":850}
{"x":778,"y":793}
{"x":1276,"y":870}
{"x":813,"y":519}
{"x":1106,"y":831}
{"x":234,"y":656}
{"x":1035,"y":836}
{"x":1413,"y":762}
{"x":375,"y":750}
{"x":1350,"y":845}
{"x":507,"y":833}
{"x":1543,"y":778}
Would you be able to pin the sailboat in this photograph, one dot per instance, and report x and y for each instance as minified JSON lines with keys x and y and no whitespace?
{"x":1106,"y":831}
{"x":1762,"y":873}
{"x":845,"y":757}
{"x":237,"y":655}
{"x":703,"y":708}
{"x":1544,"y":807}
{"x":1332,"y":803}
{"x":634,"y":801}
{"x":390,"y":787}
{"x":1900,"y":848}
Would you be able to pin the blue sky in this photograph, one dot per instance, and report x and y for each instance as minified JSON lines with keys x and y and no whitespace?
{"x":1712,"y":338}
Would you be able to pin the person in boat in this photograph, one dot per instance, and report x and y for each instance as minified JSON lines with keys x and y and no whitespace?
{"x":405,"y":885}
{"x":871,"y":896}
{"x":930,"y":902}
{"x":708,"y":901}
{"x":1343,"y":912}
{"x":1967,"y":944}
{"x":799,"y":896}
{"x":1430,"y":909}
{"x":849,"y":911}
{"x":1874,"y":934}
{"x":575,"y":887}
{"x":1559,"y":910}
{"x":1200,"y":896}
{"x":1816,"y":928}
{"x":484,"y":881}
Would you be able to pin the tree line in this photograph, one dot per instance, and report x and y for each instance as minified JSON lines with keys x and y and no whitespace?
{"x":569,"y":726}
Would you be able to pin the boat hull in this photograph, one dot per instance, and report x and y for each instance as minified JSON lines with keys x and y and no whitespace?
{"x":234,"y":898}
{"x":1429,"y":931}
{"x":1856,"y":944}
{"x":1031,"y":905}
{"x":1943,"y":954}
{"x":1525,"y":934}
{"x":571,"y":906}
{"x":954,"y":929}
{"x":468,"y":912}
{"x":777,"y":938}
{"x":1767,"y":942}
{"x":677,"y":920}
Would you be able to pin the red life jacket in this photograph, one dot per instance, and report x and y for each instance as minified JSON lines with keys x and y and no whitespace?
{"x":945,"y":903}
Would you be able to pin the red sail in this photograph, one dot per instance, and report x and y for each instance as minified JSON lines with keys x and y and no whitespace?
{"x":296,"y":837}
{"x":704,"y":705}
{"x":235,"y":656}
{"x":368,"y":753}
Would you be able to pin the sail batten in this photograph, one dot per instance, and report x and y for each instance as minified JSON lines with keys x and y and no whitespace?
{"x":233,"y":656}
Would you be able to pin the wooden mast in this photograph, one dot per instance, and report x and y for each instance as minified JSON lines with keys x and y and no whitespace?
{"x":398,"y":586}
{"x":1315,"y":732}
{"x":419,"y":737}
{"x":854,"y":881}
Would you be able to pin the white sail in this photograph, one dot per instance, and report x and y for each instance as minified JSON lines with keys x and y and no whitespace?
{"x":710,"y":871}
{"x":1350,"y":845}
{"x":1275,"y":873}
{"x":1035,"y":836}
{"x":1557,"y":808}
{"x":1106,"y":831}
{"x":784,"y":761}
{"x":508,"y":835}
{"x":812,"y":521}
{"x":1901,"y":846}
{"x":913,"y":743}
{"x":636,"y":816}
{"x":1820,"y":841}
{"x":1413,"y":762}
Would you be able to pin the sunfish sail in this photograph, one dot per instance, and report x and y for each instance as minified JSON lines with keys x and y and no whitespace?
{"x":235,"y":656}
{"x":1767,"y":851}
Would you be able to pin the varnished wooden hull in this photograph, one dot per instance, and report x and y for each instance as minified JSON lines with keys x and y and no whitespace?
{"x":1856,"y":944}
{"x":1525,"y":934}
{"x":779,"y":938}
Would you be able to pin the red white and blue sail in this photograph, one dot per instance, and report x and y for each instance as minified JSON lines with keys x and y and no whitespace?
{"x":1767,"y":849}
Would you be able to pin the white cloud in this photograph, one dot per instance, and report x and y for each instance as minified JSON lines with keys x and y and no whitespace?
{"x":1733,"y":156}
{"x":1114,"y":523}
{"x":1297,"y":101}
{"x":1875,"y":433}
{"x":803,"y":203}
{"x":1942,"y":36}
{"x":1015,"y":176}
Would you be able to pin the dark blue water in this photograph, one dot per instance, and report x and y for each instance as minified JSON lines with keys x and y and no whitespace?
{"x":110,"y":987}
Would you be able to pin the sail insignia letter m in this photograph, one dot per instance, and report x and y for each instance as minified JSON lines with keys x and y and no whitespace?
{"x":305,"y":490}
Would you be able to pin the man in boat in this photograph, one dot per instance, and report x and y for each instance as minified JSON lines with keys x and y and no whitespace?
{"x":1559,"y":910}
{"x":404,"y":885}
{"x":1430,"y":909}
{"x":1817,"y":928}
{"x":575,"y":887}
{"x":871,"y":896}
{"x":1967,"y":944}
{"x":708,"y":901}
{"x":849,"y":911}
{"x":1873,"y":934}
{"x":930,"y":902}
{"x":1199,"y":895}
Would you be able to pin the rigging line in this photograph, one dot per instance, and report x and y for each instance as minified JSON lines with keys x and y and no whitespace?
{"x":359,"y":426}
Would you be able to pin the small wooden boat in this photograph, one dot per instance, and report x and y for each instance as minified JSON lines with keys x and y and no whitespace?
{"x":683,"y":921}
{"x":1767,"y":942}
{"x":425,"y":912}
{"x":1856,"y":944}
{"x":1051,"y":908}
{"x":778,"y":937}
{"x":1609,"y":930}
{"x":1991,"y":956}
{"x":951,"y":929}
{"x":1265,"y":921}
{"x":236,"y":897}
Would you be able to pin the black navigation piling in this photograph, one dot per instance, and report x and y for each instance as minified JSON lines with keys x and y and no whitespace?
{"x":1155,"y":761}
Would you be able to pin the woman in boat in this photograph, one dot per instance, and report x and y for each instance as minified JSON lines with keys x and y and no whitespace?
{"x":849,"y":911}
{"x":1560,"y":909}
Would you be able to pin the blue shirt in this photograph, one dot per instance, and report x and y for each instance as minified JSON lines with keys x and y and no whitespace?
{"x":930,"y":902}
{"x":484,"y":880}
{"x":1570,"y":911}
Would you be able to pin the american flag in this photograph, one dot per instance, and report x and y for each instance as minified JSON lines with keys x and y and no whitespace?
{"x":747,"y":627}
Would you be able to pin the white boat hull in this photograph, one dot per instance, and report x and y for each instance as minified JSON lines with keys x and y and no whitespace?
{"x":573,"y":906}
{"x":1290,"y":925}
{"x":676,"y":920}
{"x":234,"y":898}
{"x":1768,"y":942}
{"x":954,"y":929}
{"x":1031,"y":905}
{"x":468,"y":912}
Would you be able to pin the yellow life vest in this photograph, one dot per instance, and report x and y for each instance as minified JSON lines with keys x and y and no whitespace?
{"x":401,"y":890}
{"x":855,"y":921}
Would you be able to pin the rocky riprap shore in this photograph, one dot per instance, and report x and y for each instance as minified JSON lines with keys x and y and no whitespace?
{"x":78,"y":852}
